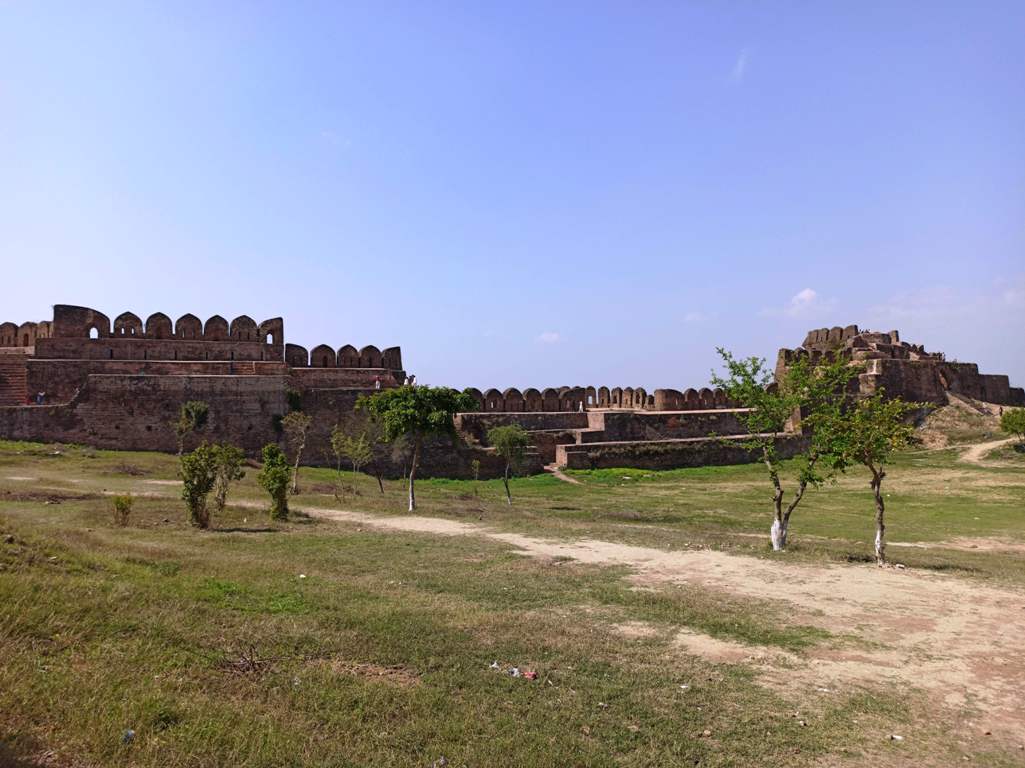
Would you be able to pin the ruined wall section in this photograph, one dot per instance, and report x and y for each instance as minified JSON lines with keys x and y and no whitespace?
{"x":901,"y":369}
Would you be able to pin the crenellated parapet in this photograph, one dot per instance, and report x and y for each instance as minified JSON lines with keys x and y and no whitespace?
{"x":324,"y":356}
{"x":530,"y":400}
{"x":25,"y":334}
{"x":71,"y":322}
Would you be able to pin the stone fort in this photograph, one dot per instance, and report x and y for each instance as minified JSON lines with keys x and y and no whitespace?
{"x":80,"y":378}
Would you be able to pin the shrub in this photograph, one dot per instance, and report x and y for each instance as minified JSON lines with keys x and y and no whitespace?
{"x":274,"y":477}
{"x":198,"y":473}
{"x":1012,"y":421}
{"x":122,"y":509}
{"x":192,"y":417}
{"x":229,"y":469}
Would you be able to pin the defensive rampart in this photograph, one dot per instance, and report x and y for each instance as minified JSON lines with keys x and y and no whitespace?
{"x":902,"y":370}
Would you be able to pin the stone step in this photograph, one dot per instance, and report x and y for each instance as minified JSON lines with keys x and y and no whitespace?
{"x":13,"y":380}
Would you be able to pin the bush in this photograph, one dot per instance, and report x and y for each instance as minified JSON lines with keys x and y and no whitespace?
{"x":1013,"y":423}
{"x":229,"y":469}
{"x":198,"y":473}
{"x":122,"y":509}
{"x":274,"y":477}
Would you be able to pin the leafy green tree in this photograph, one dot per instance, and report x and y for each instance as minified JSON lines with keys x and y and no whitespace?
{"x":511,"y":443}
{"x":1012,"y":421}
{"x":275,"y":476}
{"x":869,"y":432}
{"x":198,"y":471}
{"x":803,"y":396}
{"x":416,"y":413}
{"x":192,"y":417}
{"x":229,"y":469}
{"x":297,"y":426}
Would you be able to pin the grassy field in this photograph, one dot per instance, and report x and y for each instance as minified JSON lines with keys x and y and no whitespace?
{"x":319,"y":642}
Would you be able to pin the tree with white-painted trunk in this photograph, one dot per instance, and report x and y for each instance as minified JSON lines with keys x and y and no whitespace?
{"x":774,"y":409}
{"x":415,"y":413}
{"x":868,"y":432}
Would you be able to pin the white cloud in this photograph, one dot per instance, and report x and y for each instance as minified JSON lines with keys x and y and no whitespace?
{"x":695,"y":318}
{"x":740,"y":66}
{"x":549,"y":337}
{"x":1014,"y":294}
{"x":802,"y":302}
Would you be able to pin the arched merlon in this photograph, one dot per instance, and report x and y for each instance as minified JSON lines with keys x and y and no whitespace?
{"x":216,"y":329}
{"x":273,"y":331}
{"x":158,"y":326}
{"x":296,"y":356}
{"x":71,"y":322}
{"x":393,"y":358}
{"x":323,"y":356}
{"x":188,"y":327}
{"x":128,"y":325}
{"x":243,"y":328}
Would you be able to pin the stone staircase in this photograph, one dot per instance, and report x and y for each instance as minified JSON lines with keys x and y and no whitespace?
{"x":13,"y":379}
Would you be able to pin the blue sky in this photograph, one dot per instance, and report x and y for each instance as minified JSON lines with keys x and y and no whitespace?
{"x":524,"y":194}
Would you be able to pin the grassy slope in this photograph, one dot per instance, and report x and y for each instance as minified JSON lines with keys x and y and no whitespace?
{"x":380,"y":656}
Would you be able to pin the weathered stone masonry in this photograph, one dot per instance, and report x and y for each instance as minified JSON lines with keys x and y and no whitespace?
{"x":119,"y":385}
{"x":901,"y":369}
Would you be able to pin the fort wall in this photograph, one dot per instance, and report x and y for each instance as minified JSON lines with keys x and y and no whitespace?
{"x":551,"y":399}
{"x":901,"y":369}
{"x":668,"y":454}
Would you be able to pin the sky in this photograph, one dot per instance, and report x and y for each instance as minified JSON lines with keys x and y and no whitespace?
{"x":524,"y":194}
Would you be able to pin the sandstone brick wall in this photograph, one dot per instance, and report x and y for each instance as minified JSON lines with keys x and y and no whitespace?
{"x":132,"y":412}
{"x":668,"y":454}
{"x":901,"y":369}
{"x":551,"y":399}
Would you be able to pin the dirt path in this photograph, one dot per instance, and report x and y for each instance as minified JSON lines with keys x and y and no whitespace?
{"x":558,"y":474}
{"x":961,"y":641}
{"x":976,"y":453}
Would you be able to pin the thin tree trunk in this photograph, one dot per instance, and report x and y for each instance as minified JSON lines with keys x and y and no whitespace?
{"x":877,"y":490}
{"x":295,"y":470}
{"x":380,"y":482}
{"x":778,"y":532}
{"x":505,"y":479}
{"x":785,"y":527}
{"x":412,"y":475}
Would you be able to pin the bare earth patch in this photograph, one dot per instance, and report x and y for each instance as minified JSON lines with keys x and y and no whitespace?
{"x":962,"y":642}
{"x":966,"y":544}
{"x":400,"y":676}
{"x":636,"y":629}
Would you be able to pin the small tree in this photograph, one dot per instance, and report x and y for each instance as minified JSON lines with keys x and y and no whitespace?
{"x":805,"y":392}
{"x":868,"y":433}
{"x":274,"y":477}
{"x":296,"y":425}
{"x":1012,"y":421}
{"x":198,"y":472}
{"x":229,"y":469}
{"x":192,"y":417}
{"x":122,"y":509}
{"x":416,"y":412}
{"x":357,"y":449}
{"x":511,"y":443}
